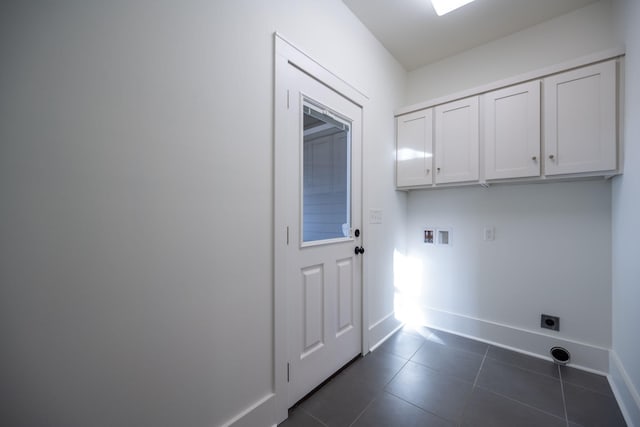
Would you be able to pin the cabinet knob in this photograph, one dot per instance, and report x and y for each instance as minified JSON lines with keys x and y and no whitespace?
{"x":551,"y":156}
{"x":534,"y":158}
{"x":438,"y":169}
{"x":428,"y":171}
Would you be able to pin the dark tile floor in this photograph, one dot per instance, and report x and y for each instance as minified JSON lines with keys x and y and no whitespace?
{"x":425,"y":377}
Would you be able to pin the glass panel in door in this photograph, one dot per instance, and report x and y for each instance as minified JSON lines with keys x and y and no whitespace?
{"x":326,"y":188}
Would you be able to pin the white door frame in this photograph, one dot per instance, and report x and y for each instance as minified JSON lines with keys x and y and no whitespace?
{"x":286,"y":54}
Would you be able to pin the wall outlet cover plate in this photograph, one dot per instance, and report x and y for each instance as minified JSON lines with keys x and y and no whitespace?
{"x":550,"y":322}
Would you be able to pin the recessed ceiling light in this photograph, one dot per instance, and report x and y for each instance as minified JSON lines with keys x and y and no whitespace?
{"x":445,"y":6}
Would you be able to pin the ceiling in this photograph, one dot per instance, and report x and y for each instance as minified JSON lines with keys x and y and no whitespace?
{"x":416,"y":36}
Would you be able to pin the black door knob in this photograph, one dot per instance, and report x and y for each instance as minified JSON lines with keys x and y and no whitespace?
{"x":359,"y":250}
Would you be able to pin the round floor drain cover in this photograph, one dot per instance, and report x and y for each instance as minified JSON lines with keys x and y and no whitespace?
{"x":560,"y":355}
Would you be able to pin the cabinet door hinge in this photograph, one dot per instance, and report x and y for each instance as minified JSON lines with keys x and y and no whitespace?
{"x":287,"y":99}
{"x":287,"y":371}
{"x":287,"y":235}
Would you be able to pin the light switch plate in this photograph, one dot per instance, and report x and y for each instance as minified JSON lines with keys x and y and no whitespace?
{"x":489,"y":234}
{"x":375,"y":216}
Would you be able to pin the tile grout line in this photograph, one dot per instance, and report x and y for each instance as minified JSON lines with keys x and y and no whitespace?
{"x":382,"y":391}
{"x":314,"y":417}
{"x":531,"y":371}
{"x":480,"y":368}
{"x":524,"y":403}
{"x":589,"y":389}
{"x":520,"y":402}
{"x":473,"y":386}
{"x":418,"y":406}
{"x":564,"y":402}
{"x":412,"y":354}
{"x":523,"y":368}
{"x":407,"y":361}
{"x":365,"y":408}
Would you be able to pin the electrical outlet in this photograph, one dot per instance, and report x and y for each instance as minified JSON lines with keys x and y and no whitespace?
{"x":550,"y":322}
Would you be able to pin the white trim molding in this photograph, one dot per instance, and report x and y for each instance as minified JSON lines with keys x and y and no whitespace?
{"x":533,"y":75}
{"x":256,"y":414}
{"x":382,"y":329}
{"x":583,"y":355}
{"x":286,"y":55}
{"x":624,"y":390}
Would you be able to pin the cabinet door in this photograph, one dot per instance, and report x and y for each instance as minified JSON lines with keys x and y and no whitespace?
{"x":580,"y":120}
{"x":457,"y":141}
{"x":512,"y":132}
{"x":414,"y":154}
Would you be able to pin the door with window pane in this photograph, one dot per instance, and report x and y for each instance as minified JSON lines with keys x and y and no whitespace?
{"x":324,"y":284}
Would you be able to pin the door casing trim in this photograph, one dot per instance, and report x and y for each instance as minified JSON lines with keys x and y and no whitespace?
{"x":285,"y":55}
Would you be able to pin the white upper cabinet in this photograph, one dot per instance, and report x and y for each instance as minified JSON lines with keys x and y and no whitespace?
{"x":457,"y":141}
{"x":414,"y":152}
{"x":512,"y":131}
{"x":557,"y":123}
{"x":580,"y":120}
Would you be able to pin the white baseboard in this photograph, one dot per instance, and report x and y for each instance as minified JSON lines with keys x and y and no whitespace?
{"x":626,"y":393}
{"x":380,"y":330}
{"x":584,"y":356}
{"x":260,"y":414}
{"x":263,"y":412}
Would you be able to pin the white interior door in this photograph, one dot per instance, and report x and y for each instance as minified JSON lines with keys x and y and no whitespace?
{"x":323,"y":199}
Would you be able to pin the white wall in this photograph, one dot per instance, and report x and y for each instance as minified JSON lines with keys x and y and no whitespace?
{"x":551,"y":254}
{"x":552,"y":244}
{"x":136,"y":186}
{"x":578,"y":33}
{"x":626,"y":227}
